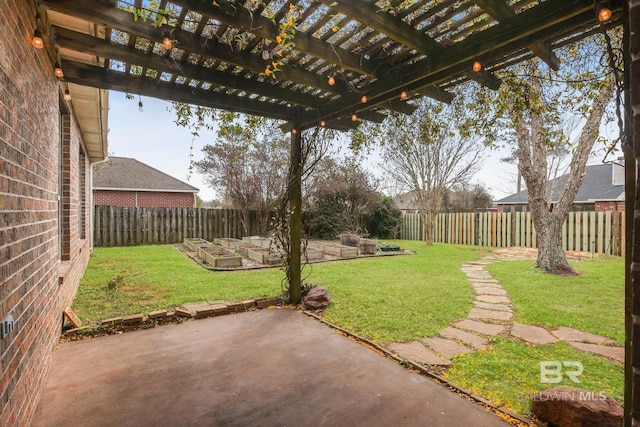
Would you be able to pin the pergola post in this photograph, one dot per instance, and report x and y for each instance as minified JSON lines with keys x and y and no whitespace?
{"x":632,"y":282}
{"x":295,"y":206}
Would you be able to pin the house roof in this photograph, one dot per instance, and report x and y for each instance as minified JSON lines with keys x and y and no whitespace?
{"x":406,"y":201}
{"x":123,"y":173}
{"x":600,"y":183}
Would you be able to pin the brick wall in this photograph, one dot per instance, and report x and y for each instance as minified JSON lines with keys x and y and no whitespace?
{"x":143,"y":199}
{"x":610,"y":206}
{"x":35,"y":285}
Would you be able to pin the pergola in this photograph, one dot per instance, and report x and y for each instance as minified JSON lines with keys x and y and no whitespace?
{"x":350,"y":61}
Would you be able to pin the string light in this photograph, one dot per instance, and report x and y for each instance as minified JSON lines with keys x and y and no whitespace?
{"x":354,"y":117}
{"x":266,"y":55}
{"x":37,"y":41}
{"x":294,"y":131}
{"x":332,"y":81}
{"x":166,"y":41}
{"x":364,"y":99}
{"x":140,"y":106}
{"x":67,"y":94}
{"x":604,"y":14}
{"x":477,"y":66}
{"x":403,"y":95}
{"x":58,"y":71}
{"x":323,"y":123}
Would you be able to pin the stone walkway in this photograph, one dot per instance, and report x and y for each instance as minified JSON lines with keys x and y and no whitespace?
{"x":492,"y":315}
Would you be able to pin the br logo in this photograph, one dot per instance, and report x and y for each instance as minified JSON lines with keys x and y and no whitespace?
{"x":552,"y":372}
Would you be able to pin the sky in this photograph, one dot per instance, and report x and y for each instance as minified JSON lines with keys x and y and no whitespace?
{"x":152,"y":137}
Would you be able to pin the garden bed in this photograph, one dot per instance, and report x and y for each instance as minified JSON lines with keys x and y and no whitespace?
{"x":219,"y":257}
{"x":339,"y":251}
{"x":263,"y":256}
{"x":257,"y":241}
{"x":228,"y":242}
{"x":194,"y":243}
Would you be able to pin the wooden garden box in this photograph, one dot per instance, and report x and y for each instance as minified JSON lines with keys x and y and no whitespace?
{"x":340,"y":251}
{"x":194,"y":243}
{"x":219,"y":257}
{"x":367,"y":246}
{"x":262,"y":256}
{"x":228,"y":242}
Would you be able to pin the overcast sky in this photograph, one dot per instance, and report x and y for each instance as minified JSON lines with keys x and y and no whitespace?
{"x":153,"y":138}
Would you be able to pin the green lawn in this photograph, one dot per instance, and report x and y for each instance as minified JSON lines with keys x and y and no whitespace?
{"x":592,"y":302}
{"x":399,"y":298}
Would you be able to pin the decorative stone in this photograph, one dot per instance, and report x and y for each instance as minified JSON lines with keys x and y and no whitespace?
{"x":569,"y":334}
{"x":317,"y":298}
{"x":445,"y":347}
{"x":112,"y":321}
{"x":481,"y":313}
{"x":532,"y":334}
{"x":480,"y":327}
{"x":220,"y":309}
{"x":248,"y":304}
{"x":615,"y":353}
{"x":564,"y":407}
{"x":133,"y":318}
{"x":183,"y":313}
{"x":417,"y":352}
{"x":158,"y":314}
{"x":235,"y":307}
{"x":464,"y":336}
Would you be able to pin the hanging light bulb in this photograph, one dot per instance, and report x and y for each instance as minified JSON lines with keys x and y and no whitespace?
{"x":604,"y":14}
{"x":140,"y":106}
{"x":37,"y":41}
{"x":332,"y":81}
{"x":354,"y":117}
{"x":58,"y":71}
{"x":67,"y":95}
{"x":266,"y":55}
{"x":403,"y":95}
{"x":364,"y":99}
{"x":166,"y":41}
{"x":477,"y":66}
{"x":294,"y":131}
{"x":323,"y":123}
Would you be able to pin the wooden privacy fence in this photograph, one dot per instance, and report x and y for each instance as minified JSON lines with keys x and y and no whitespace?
{"x":600,"y":232}
{"x":126,"y":226}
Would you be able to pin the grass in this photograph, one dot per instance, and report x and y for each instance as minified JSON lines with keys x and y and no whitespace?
{"x":386,"y":299}
{"x":509,"y":372}
{"x":592,"y":302}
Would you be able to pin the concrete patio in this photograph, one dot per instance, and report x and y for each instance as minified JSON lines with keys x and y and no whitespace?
{"x":271,"y":367}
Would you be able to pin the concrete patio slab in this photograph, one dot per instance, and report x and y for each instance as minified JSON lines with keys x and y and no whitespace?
{"x":271,"y":367}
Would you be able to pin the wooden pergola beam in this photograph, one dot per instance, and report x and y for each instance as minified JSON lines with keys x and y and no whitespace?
{"x":501,"y":11}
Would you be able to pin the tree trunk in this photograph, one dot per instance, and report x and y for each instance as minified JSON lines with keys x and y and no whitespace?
{"x":551,"y":256}
{"x":427,"y":227}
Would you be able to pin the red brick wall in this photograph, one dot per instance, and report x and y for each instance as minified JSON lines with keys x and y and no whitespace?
{"x":143,"y":199}
{"x":610,"y":206}
{"x":30,"y":266}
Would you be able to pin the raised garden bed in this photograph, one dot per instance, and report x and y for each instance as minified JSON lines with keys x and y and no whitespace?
{"x":340,"y":251}
{"x":348,"y":239}
{"x":257,"y":241}
{"x":313,"y":254}
{"x":262,"y":256}
{"x":228,"y":242}
{"x":219,"y":257}
{"x":367,"y":246}
{"x":194,"y":243}
{"x":242,"y":247}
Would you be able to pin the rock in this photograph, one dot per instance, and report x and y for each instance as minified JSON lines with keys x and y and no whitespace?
{"x":563,"y":406}
{"x":317,"y":298}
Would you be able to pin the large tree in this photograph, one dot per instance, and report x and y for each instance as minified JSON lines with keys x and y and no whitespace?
{"x":425,"y":153}
{"x":534,"y":106}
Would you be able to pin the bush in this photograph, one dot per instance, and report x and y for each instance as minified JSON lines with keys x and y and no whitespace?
{"x":384,"y":219}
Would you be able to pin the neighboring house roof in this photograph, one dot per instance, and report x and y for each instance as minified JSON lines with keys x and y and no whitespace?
{"x":601,"y":182}
{"x":123,"y":173}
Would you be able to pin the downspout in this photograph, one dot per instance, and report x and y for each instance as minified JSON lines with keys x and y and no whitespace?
{"x":103,"y":105}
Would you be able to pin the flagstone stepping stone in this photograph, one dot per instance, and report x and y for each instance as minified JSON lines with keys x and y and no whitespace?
{"x":464,"y":336}
{"x":417,"y":352}
{"x":445,"y":347}
{"x":532,"y":334}
{"x":477,"y":284}
{"x":478,"y":276}
{"x":570,"y":334}
{"x":480,"y":327}
{"x":480,"y":262}
{"x":481,"y":313}
{"x":488,"y":281}
{"x":494,"y":299}
{"x":615,"y":353}
{"x":486,"y":290}
{"x":495,"y":307}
